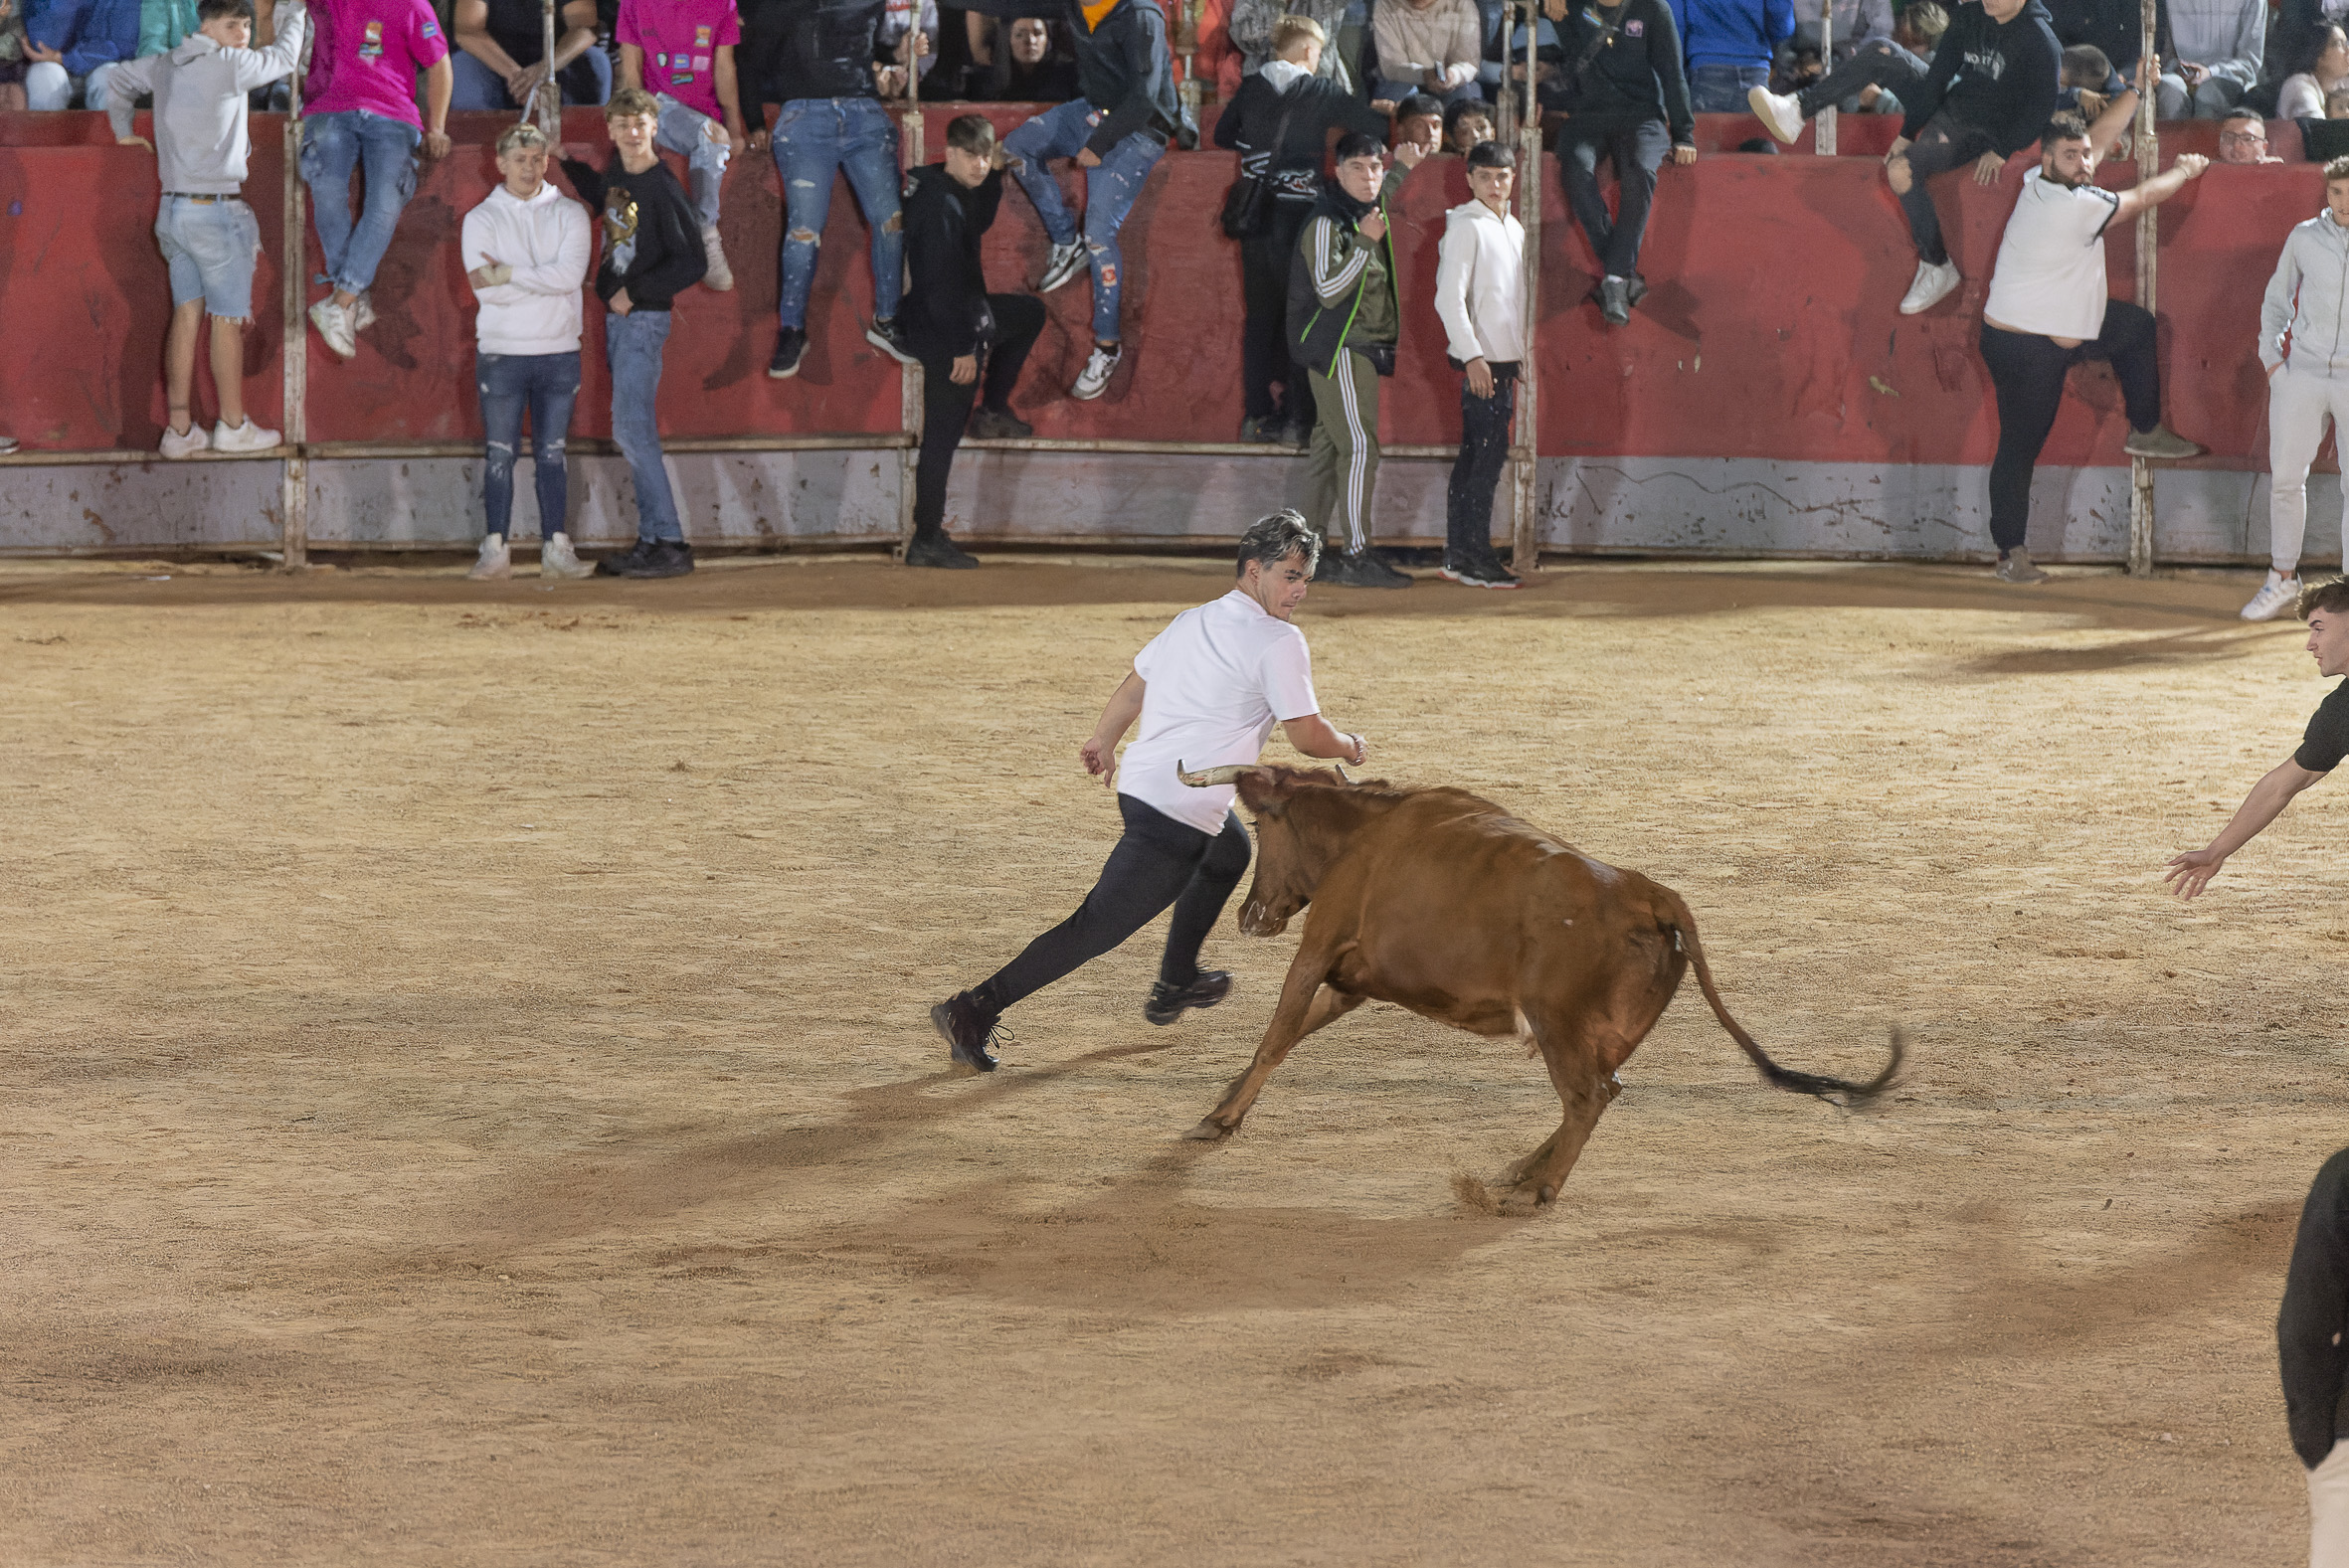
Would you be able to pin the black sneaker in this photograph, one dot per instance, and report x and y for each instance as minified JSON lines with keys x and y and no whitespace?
{"x":938,"y":551}
{"x":1614,"y":301}
{"x":1484,"y":571}
{"x":1636,"y":291}
{"x":1299,"y":434}
{"x":1264,"y":429}
{"x":1001,"y":425}
{"x":789,"y":344}
{"x":967,"y":1028}
{"x":887,"y":336}
{"x":649,"y":558}
{"x":1365,"y":568}
{"x":1167,"y":1003}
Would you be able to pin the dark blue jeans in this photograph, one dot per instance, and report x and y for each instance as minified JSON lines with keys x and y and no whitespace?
{"x":333,"y":146}
{"x":814,"y":139}
{"x":1720,"y":90}
{"x":546,"y":385}
{"x":1109,"y":192}
{"x":633,"y":344}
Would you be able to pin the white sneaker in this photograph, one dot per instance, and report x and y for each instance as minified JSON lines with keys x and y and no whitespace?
{"x":1932,"y":285}
{"x":556,"y":557}
{"x":1100,"y":365}
{"x":246,"y":437}
{"x":334,"y":325}
{"x":719,"y":277}
{"x":1066,"y":261}
{"x":2275,"y":596}
{"x":177,"y":446}
{"x":1781,"y":113}
{"x":496,"y":559}
{"x":362,"y":312}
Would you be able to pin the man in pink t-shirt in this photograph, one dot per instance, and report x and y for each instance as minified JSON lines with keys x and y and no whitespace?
{"x":359,"y":108}
{"x":683,"y":53}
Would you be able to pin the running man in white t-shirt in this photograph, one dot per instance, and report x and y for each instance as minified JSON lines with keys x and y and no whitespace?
{"x":2049,"y":309}
{"x":1207,"y":690}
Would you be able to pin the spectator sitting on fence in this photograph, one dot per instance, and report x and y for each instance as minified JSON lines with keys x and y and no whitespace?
{"x":72,"y":47}
{"x":691,"y":44}
{"x":1622,"y":97}
{"x":1480,"y":295}
{"x":2216,"y":47}
{"x":1730,"y":47}
{"x":1117,"y":133}
{"x":1871,"y":81}
{"x":1427,"y":46}
{"x":1419,"y":119}
{"x":1030,"y":66}
{"x":1988,"y":95}
{"x":651,"y":255}
{"x":501,"y":53}
{"x":359,"y":104}
{"x":2086,"y":81}
{"x":1255,"y":22}
{"x":1289,"y":91}
{"x":972,"y":342}
{"x":12,"y":58}
{"x":2243,"y":138}
{"x":526,"y":250}
{"x":1467,"y":123}
{"x":208,"y":235}
{"x":2317,"y":68}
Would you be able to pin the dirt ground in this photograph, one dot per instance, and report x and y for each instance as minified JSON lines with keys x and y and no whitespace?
{"x":471,"y":1100}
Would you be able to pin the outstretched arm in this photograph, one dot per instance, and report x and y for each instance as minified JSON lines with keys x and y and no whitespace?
{"x":1100,"y":750}
{"x":1314,"y":735}
{"x":2192,"y":871}
{"x":2161,"y":187}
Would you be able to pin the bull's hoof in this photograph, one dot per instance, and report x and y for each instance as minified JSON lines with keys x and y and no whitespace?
{"x":1527,"y":1198}
{"x":1208,"y":1131}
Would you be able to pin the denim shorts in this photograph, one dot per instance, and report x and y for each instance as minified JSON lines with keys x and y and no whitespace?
{"x":211,"y":248}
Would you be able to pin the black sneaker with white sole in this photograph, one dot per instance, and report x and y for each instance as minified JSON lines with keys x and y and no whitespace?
{"x":1168,"y":1003}
{"x":968,"y":1027}
{"x":789,"y":344}
{"x":887,"y":336}
{"x":1481,"y":572}
{"x":1364,"y":568}
{"x":936,"y":550}
{"x":649,"y":558}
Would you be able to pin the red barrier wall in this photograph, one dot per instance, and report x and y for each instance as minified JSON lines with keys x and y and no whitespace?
{"x":1770,"y":332}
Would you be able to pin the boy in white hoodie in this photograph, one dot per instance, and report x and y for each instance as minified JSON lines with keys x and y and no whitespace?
{"x":526,"y":255}
{"x":1480,"y":293}
{"x":208,"y":235}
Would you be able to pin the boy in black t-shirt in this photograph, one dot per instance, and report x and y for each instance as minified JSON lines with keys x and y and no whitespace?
{"x":2325,"y":606}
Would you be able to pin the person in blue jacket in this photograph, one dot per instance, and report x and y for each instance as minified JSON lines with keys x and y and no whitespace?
{"x":1729,"y":46}
{"x":73,"y":45}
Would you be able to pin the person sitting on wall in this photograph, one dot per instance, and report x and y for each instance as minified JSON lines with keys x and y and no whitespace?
{"x":74,"y":47}
{"x":502,"y":49}
{"x":1871,"y":81}
{"x":683,"y":53}
{"x":2243,"y":138}
{"x":209,"y":236}
{"x":2216,"y":50}
{"x":1030,"y":67}
{"x":1427,"y":46}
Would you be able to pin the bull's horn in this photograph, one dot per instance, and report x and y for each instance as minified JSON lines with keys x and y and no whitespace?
{"x":1207,"y":778}
{"x":1341,"y":779}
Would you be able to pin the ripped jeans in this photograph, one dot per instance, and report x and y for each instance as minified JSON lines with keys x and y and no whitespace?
{"x":547,"y":385}
{"x":703,"y":142}
{"x":813,"y":138}
{"x":1110,"y":193}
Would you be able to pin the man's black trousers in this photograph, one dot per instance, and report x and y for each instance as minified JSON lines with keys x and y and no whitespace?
{"x":2026,"y":371}
{"x":1638,"y":148}
{"x":1264,"y":338}
{"x":1484,"y":453}
{"x":1158,"y":861}
{"x":1944,"y":143}
{"x":946,"y":407}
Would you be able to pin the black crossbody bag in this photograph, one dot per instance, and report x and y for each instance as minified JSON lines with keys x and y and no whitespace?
{"x":1248,"y":203}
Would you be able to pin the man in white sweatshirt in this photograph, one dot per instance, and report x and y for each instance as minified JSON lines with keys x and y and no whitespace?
{"x":208,"y":235}
{"x":1480,"y":292}
{"x":526,"y":254}
{"x":2304,"y":345}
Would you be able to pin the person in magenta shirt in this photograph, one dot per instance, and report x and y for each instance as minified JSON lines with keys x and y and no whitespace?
{"x":359,"y":111}
{"x":683,"y":53}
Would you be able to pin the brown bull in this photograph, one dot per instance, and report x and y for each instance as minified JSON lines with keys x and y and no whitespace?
{"x":1441,"y":902}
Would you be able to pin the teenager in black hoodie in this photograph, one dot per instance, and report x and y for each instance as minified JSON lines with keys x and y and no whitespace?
{"x":952,"y":322}
{"x":651,"y":253}
{"x":1987,"y":96}
{"x":1623,"y":96}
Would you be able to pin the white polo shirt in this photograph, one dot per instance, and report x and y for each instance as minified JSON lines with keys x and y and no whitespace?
{"x":2049,"y":276}
{"x":1215,"y":681}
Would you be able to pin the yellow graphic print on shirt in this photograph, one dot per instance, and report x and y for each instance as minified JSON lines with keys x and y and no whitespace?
{"x":619,"y":227}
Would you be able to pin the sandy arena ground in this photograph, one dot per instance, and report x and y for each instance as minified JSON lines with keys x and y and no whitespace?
{"x":471,"y":1100}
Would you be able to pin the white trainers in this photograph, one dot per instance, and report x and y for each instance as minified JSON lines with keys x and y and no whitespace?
{"x":362,"y":312}
{"x":2275,"y":596}
{"x":718,"y":277}
{"x":1781,"y":113}
{"x":496,"y":559}
{"x":246,"y":437}
{"x":334,"y":325}
{"x":1100,"y":365}
{"x":1932,"y":286}
{"x":177,"y":446}
{"x":1066,"y":261}
{"x":556,"y":557}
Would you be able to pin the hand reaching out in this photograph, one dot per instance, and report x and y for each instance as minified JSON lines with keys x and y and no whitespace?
{"x":1988,"y":167}
{"x":2192,"y":871}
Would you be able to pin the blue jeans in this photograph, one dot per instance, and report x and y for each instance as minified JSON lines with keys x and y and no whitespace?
{"x":703,"y":142}
{"x":1109,"y":192}
{"x":1720,"y":90}
{"x":547,"y":384}
{"x":332,"y":145}
{"x":813,"y":138}
{"x":632,"y":344}
{"x":479,"y":89}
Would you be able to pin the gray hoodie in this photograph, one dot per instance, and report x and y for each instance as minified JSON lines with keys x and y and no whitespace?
{"x":201,"y":145}
{"x":2309,"y":294}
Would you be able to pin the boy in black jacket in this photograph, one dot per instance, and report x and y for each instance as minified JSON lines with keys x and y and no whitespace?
{"x":651,"y":253}
{"x":1622,"y":95}
{"x":2309,"y":1352}
{"x":951,"y":321}
{"x":1988,"y":95}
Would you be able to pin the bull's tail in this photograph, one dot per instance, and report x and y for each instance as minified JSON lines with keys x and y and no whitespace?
{"x":1676,"y":919}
